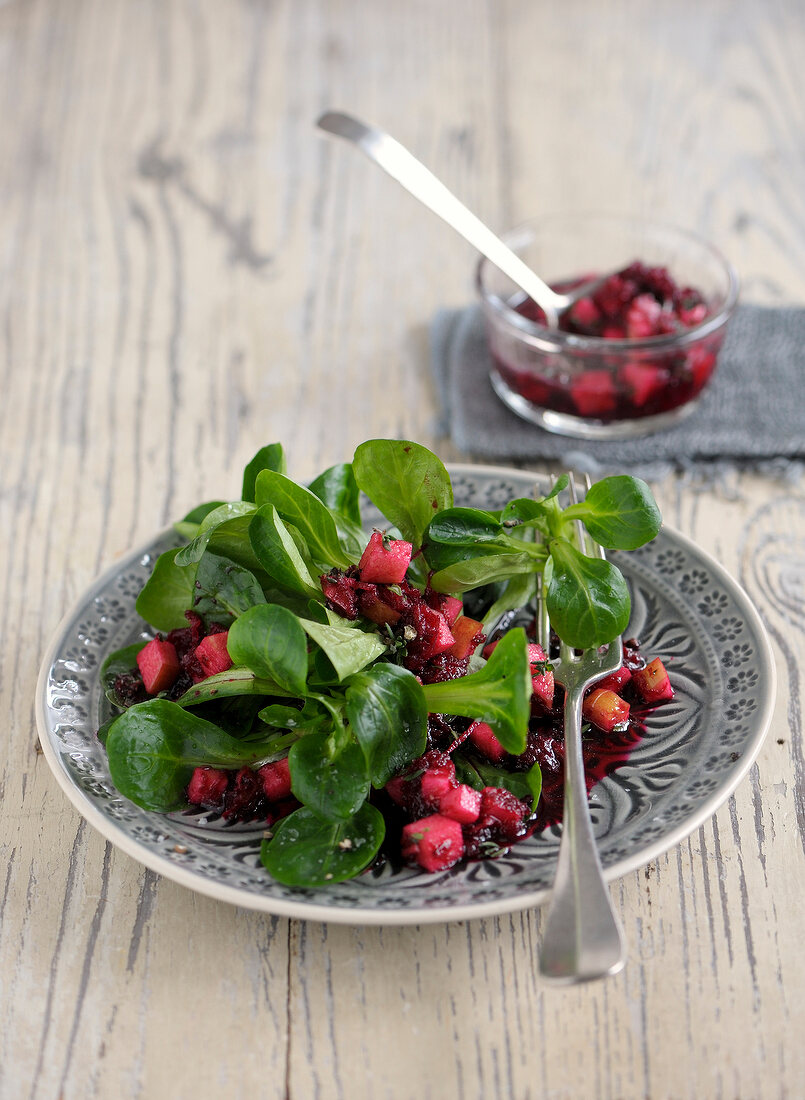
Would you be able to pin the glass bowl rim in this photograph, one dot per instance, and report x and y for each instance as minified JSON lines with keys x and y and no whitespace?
{"x":555,"y":340}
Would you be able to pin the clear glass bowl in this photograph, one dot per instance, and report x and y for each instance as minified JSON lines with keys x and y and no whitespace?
{"x":595,"y":387}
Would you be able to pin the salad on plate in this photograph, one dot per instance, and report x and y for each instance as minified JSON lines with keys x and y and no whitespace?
{"x":374,"y":694}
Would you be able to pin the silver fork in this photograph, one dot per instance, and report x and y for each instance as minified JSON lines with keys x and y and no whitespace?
{"x":582,"y":938}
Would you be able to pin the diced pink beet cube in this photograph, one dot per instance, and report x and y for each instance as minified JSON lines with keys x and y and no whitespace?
{"x":452,"y":607}
{"x":385,"y":560}
{"x":462,"y":803}
{"x":585,"y":313}
{"x":701,"y":363}
{"x":434,"y":842}
{"x":534,"y":389}
{"x":505,"y":809}
{"x":486,"y":742}
{"x":212,"y":654}
{"x":207,"y":786}
{"x":542,"y":682}
{"x":276,"y":779}
{"x":468,"y":633}
{"x":643,"y":317}
{"x":594,"y":394}
{"x":159,"y":666}
{"x":693,"y":316}
{"x":341,"y":593}
{"x":644,"y":381}
{"x":433,"y":634}
{"x":652,"y":683}
{"x":399,"y":789}
{"x":616,"y":681}
{"x":437,"y":780}
{"x":605,"y":709}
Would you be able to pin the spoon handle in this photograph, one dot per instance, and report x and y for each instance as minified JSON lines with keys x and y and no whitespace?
{"x":412,"y":174}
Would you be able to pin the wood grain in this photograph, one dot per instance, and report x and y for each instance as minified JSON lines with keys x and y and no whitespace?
{"x":188,"y":271}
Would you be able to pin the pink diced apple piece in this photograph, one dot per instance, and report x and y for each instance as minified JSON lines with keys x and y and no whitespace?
{"x":437,"y":780}
{"x":468,"y":633}
{"x":212,"y":654}
{"x":276,"y":779}
{"x":605,"y":709}
{"x":542,"y":682}
{"x":385,"y":560}
{"x":693,"y":316}
{"x":434,"y":842}
{"x":594,"y":394}
{"x":207,"y":786}
{"x":652,"y":683}
{"x":461,"y":803}
{"x":585,"y":313}
{"x":616,"y":681}
{"x":645,"y":381}
{"x":452,"y":607}
{"x":505,"y":810}
{"x":486,"y":742}
{"x":158,"y":664}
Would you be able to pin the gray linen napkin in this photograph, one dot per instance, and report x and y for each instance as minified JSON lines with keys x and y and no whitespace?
{"x":752,"y":411}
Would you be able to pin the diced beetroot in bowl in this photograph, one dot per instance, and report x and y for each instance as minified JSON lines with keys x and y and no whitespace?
{"x":643,"y":317}
{"x":158,"y":664}
{"x":434,"y":842}
{"x":385,"y":560}
{"x":643,"y":381}
{"x":701,"y":363}
{"x":585,"y":314}
{"x":594,"y":394}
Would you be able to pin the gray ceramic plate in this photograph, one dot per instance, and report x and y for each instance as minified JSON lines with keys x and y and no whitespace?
{"x":685,"y":609}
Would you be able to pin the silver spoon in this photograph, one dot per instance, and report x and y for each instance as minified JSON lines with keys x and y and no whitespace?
{"x":423,"y":185}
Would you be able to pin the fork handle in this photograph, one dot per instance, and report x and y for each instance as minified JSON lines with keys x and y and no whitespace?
{"x":582,"y":938}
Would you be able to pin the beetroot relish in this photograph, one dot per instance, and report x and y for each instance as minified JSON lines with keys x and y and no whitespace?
{"x":418,"y":625}
{"x":129,"y":686}
{"x":636,"y":303}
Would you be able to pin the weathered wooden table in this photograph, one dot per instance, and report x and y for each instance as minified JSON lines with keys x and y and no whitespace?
{"x":189,"y":271}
